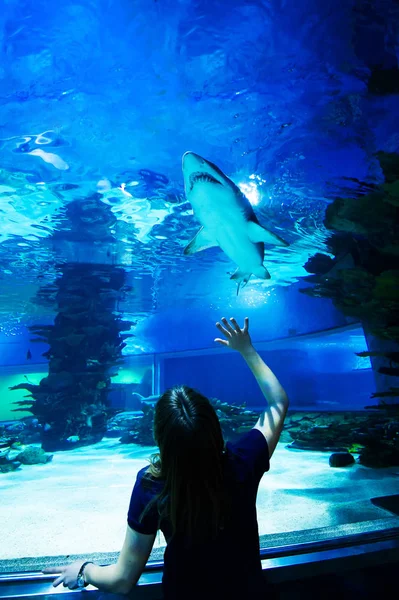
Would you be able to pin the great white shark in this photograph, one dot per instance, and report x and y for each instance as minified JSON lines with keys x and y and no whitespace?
{"x":227,"y":219}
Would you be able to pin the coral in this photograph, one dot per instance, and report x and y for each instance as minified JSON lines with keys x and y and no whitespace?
{"x":390,"y":165}
{"x":85,"y":345}
{"x":86,"y":341}
{"x":122,"y":423}
{"x":14,"y":452}
{"x":373,"y":435}
{"x":31,"y":455}
{"x":341,"y":459}
{"x":9,"y":466}
{"x":384,"y":81}
{"x":325,"y":438}
{"x":393,"y":371}
{"x":234,"y":420}
{"x":392,"y":392}
{"x":7,"y":463}
{"x":319,"y":264}
{"x":391,"y":356}
{"x":368,"y":230}
{"x":379,"y":454}
{"x":140,"y":430}
{"x":363,"y":281}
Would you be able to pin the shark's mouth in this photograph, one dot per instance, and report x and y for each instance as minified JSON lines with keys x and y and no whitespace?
{"x":195,"y":177}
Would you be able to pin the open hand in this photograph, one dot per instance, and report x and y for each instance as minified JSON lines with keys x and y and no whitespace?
{"x":236,"y":338}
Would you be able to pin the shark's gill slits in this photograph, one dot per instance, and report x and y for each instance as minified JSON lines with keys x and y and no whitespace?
{"x":195,"y":177}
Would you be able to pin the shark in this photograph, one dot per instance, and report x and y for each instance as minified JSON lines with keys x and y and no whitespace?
{"x":227,"y":219}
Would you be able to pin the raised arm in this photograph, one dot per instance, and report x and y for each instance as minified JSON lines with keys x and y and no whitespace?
{"x":271,"y":421}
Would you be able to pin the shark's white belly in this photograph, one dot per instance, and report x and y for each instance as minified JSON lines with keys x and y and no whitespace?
{"x":239,"y":248}
{"x":225,"y":220}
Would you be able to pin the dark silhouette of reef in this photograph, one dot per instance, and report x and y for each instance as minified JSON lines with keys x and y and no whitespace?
{"x":372,"y":435}
{"x":383,"y":82}
{"x":363,"y":283}
{"x":363,"y":279}
{"x":134,"y":429}
{"x":86,"y":340}
{"x":85,"y":345}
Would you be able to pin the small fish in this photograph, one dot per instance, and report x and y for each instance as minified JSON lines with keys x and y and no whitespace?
{"x":28,"y":355}
{"x":46,"y":427}
{"x":73,"y":439}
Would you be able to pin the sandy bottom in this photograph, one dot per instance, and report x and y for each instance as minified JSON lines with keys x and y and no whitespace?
{"x":77,"y":504}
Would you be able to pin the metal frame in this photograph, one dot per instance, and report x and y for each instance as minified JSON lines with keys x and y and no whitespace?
{"x":297,"y":561}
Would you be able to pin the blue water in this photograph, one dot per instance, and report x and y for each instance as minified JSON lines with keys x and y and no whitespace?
{"x":101,"y":97}
{"x":319,"y":373}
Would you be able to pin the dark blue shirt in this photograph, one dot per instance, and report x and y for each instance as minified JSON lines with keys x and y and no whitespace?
{"x":228,"y":567}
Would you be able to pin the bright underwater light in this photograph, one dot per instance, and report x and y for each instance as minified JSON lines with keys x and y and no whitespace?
{"x":254,"y":297}
{"x":251,"y":188}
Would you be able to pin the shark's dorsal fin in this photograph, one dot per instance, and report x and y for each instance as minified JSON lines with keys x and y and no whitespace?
{"x":201,"y":241}
{"x":257,"y":233}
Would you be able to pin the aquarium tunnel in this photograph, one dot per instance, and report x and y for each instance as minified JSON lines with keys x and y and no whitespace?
{"x":125,"y":127}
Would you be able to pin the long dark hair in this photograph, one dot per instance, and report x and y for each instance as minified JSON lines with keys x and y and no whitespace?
{"x":190,"y":462}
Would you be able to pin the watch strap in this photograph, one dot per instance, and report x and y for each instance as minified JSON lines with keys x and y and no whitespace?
{"x":81,"y":577}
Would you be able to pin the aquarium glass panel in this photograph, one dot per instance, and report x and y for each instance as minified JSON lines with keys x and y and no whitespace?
{"x":164,"y":164}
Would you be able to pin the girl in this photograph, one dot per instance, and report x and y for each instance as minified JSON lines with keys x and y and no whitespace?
{"x":200,"y":492}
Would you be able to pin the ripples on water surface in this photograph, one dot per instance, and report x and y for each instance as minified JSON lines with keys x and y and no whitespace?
{"x":100,"y":99}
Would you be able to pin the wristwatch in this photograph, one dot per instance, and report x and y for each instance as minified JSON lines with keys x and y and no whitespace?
{"x":80,"y":579}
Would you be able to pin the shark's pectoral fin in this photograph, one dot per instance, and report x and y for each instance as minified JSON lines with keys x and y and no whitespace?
{"x":201,"y":241}
{"x":257,"y":233}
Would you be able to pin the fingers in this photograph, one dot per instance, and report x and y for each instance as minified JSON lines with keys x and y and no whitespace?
{"x":52,"y":570}
{"x":223,"y":342}
{"x":228,"y":330}
{"x":227,"y":325}
{"x":246,"y":325}
{"x":223,"y":330}
{"x":235,"y":325}
{"x":57,"y":581}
